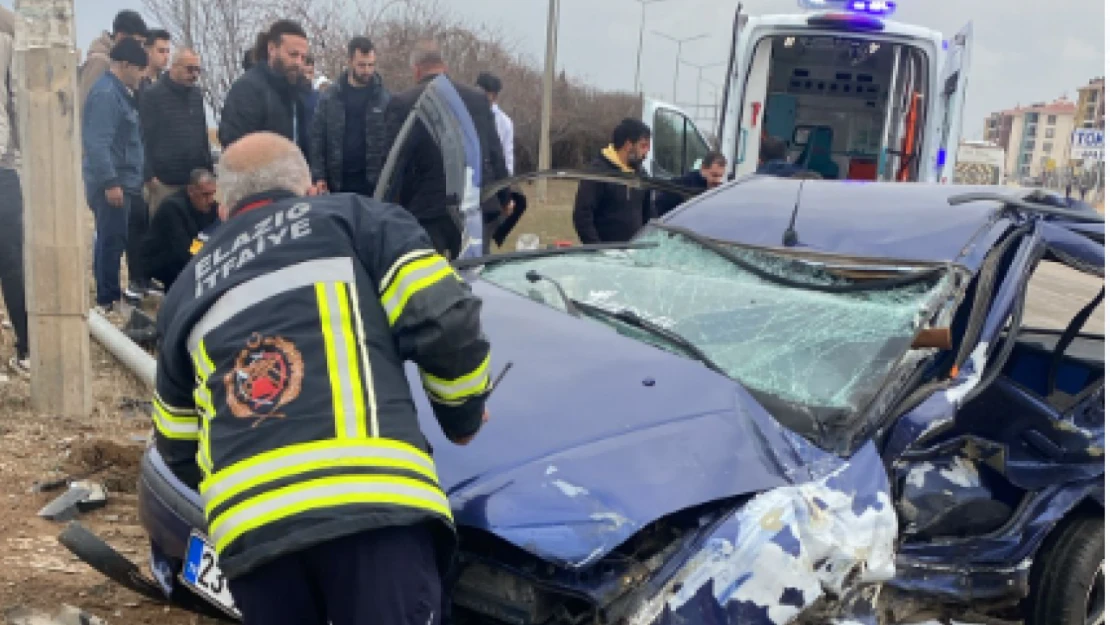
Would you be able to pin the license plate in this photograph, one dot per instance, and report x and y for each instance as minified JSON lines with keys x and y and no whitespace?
{"x":202,"y":574}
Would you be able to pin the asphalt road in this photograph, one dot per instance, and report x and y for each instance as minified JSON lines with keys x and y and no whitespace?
{"x":1057,"y":293}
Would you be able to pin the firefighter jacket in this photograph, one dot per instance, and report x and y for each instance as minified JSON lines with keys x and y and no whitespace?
{"x":280,"y":385}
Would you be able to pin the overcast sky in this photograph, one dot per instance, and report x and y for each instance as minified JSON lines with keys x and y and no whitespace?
{"x":1023,"y":51}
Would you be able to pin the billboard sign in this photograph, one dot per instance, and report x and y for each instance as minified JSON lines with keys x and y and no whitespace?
{"x":1088,"y":144}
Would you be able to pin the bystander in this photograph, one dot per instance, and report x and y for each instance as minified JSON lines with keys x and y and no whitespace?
{"x":709,"y":176}
{"x":348,"y":144}
{"x":11,"y":204}
{"x":267,"y":98}
{"x":158,"y":57}
{"x":492,"y":215}
{"x":178,"y":226}
{"x":113,"y":167}
{"x":175,"y":128}
{"x":609,"y":212}
{"x":127,"y":24}
{"x":423,"y":187}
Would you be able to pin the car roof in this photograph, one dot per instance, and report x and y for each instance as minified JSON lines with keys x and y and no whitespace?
{"x":893,"y":221}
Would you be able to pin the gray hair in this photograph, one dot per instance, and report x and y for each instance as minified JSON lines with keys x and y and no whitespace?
{"x":287,"y":172}
{"x":201,"y":175}
{"x":426,"y":55}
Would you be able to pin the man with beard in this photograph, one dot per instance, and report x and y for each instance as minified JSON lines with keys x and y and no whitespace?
{"x":347,"y":147}
{"x":613,"y":213}
{"x":268,"y":97}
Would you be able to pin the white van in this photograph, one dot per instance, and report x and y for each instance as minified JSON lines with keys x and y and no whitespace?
{"x":854,"y":95}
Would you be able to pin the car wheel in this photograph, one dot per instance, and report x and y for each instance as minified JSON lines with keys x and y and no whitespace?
{"x":1069,"y":583}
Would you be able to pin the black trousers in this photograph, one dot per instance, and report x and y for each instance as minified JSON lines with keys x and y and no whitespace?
{"x":386,"y":576}
{"x":11,"y":256}
{"x":138,"y":222}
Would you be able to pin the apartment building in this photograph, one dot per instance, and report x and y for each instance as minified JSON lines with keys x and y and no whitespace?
{"x":1091,"y":109}
{"x":1037,"y":138}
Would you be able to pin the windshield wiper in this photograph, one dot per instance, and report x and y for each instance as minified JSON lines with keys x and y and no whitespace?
{"x":630,"y":318}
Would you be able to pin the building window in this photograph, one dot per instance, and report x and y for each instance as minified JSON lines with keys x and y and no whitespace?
{"x":1026,"y":159}
{"x":1047,"y":148}
{"x":1050,"y":133}
{"x":1051,"y":120}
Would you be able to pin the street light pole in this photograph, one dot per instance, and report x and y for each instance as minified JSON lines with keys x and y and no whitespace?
{"x":640,"y":51}
{"x":548,"y":87}
{"x":700,"y":69}
{"x":678,"y":56}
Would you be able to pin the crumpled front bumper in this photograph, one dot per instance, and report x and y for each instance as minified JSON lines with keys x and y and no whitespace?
{"x":816,"y":552}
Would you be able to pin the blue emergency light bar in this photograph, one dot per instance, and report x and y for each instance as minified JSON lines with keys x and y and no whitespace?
{"x":865,"y":7}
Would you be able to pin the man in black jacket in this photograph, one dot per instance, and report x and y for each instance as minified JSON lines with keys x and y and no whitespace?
{"x":709,"y":176}
{"x":424,"y":183}
{"x":175,"y":130}
{"x":268,"y":97}
{"x":177,"y":228}
{"x":612,"y":213}
{"x":348,"y":144}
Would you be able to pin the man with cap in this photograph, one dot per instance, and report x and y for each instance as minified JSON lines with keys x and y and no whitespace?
{"x":128,"y":24}
{"x":113,"y":166}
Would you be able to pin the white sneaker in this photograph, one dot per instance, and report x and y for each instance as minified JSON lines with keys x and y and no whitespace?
{"x":21,"y":367}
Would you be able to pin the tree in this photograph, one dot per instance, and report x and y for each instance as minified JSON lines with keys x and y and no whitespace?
{"x":219,"y":30}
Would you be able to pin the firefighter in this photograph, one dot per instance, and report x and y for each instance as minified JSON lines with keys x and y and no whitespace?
{"x":280,"y":392}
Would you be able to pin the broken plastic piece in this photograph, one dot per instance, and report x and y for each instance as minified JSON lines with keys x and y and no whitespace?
{"x":81,"y":496}
{"x":64,"y":506}
{"x":97,"y":497}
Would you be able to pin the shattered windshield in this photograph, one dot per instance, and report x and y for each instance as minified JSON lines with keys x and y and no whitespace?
{"x":801,"y":352}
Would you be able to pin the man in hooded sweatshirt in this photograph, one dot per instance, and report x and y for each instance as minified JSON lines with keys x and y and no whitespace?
{"x":127,"y":23}
{"x":348,"y":145}
{"x":613,"y":213}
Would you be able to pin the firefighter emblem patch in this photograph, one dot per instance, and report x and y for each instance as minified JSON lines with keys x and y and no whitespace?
{"x":267,"y":375}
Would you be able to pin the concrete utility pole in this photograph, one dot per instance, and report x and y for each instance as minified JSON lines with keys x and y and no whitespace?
{"x":548,"y":87}
{"x":636,"y":86}
{"x":55,"y":232}
{"x":678,"y":55}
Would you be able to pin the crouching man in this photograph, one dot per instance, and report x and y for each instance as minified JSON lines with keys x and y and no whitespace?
{"x":179,"y":227}
{"x":281,"y":393}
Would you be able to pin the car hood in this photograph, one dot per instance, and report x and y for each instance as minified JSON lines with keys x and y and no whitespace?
{"x":593,"y":435}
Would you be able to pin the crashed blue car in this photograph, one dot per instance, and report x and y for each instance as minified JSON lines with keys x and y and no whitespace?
{"x":708,"y":426}
{"x":787,"y":402}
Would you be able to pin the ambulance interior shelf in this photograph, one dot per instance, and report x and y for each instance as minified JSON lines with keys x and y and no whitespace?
{"x":829,"y":98}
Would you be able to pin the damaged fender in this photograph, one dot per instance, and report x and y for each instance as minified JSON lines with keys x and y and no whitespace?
{"x":790,"y":552}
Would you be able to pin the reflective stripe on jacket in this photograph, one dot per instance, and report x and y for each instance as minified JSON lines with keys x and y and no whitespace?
{"x":280,"y":389}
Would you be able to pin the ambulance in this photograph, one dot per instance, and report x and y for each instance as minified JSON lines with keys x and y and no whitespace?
{"x":854,"y":95}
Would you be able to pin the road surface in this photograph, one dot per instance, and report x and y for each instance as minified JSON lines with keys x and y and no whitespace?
{"x":1057,"y":293}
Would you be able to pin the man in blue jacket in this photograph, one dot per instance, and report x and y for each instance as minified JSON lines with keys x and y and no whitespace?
{"x":113,"y":164}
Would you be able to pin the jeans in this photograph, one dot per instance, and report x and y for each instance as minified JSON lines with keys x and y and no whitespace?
{"x":138,"y":222}
{"x":11,"y":257}
{"x":109,"y":245}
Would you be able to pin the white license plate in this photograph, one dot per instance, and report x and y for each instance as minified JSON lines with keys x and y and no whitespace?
{"x":202,"y":573}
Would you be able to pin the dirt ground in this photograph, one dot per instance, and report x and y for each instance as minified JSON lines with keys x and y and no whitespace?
{"x":37,"y":572}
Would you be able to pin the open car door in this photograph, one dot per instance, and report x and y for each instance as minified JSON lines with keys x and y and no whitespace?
{"x":441,"y":112}
{"x":953,"y":92}
{"x":677,"y":145}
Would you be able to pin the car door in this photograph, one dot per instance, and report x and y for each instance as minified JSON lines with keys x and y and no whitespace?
{"x":445,"y":116}
{"x":952,"y":95}
{"x":677,"y":145}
